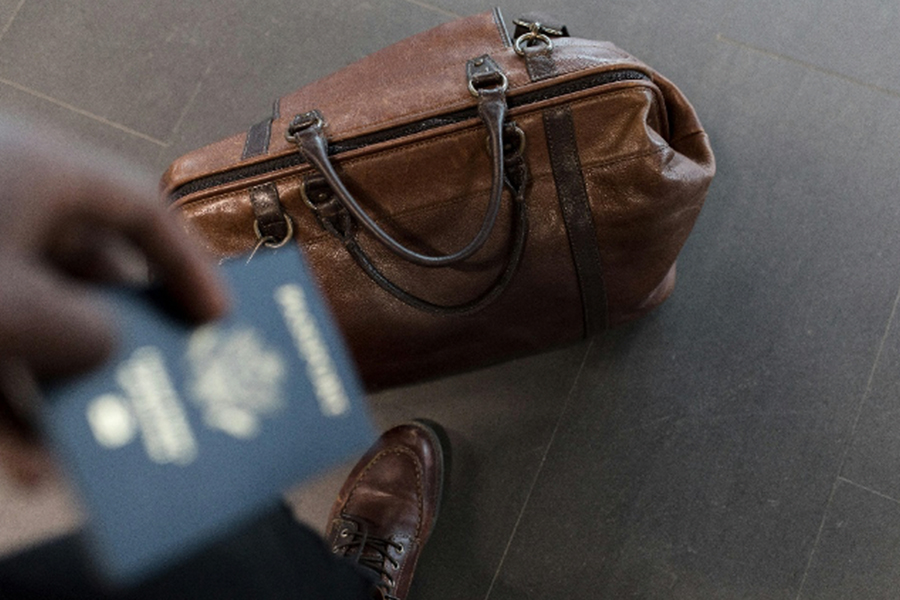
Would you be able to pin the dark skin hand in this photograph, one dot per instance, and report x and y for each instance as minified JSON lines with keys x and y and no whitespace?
{"x":72,"y":220}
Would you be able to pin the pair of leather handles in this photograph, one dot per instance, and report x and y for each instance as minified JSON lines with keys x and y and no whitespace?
{"x":340,"y":213}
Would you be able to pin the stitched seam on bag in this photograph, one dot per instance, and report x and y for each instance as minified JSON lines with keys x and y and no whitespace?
{"x":427,"y":208}
{"x":299,"y":178}
{"x":571,"y":139}
{"x":590,"y":166}
{"x":477,"y":124}
{"x":687,"y":136}
{"x":587,"y":168}
{"x":461,"y":105}
{"x":393,"y":218}
{"x":325,"y":236}
{"x":588,"y":265}
{"x":402,"y":214}
{"x":603,"y":164}
{"x":409,"y":117}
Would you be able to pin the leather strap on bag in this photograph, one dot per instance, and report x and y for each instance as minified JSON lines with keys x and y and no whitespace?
{"x":257,"y":140}
{"x":576,"y":210}
{"x":534,"y":41}
{"x":271,"y":224}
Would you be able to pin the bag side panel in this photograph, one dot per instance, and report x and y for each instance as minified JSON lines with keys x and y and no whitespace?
{"x":644,"y":207}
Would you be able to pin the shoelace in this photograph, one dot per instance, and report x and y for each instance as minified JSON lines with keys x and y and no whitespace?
{"x":369,"y":552}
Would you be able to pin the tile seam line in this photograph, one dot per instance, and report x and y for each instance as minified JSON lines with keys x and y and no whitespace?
{"x":540,"y":468}
{"x":84,"y":113}
{"x":189,"y":105}
{"x":849,"y":443}
{"x":812,"y":67}
{"x":868,"y":489}
{"x":11,"y":19}
{"x":436,"y":9}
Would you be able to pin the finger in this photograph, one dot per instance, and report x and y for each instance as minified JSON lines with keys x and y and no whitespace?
{"x":53,"y":325}
{"x":99,"y":256}
{"x":26,"y":463}
{"x":22,"y":456}
{"x":19,"y":398}
{"x":77,"y":187}
{"x":184,"y":270}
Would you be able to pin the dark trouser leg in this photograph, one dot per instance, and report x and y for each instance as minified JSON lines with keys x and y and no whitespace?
{"x":273,"y":557}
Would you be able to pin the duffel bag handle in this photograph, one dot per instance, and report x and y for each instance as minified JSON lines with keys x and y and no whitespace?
{"x":335,"y":219}
{"x":488,"y":83}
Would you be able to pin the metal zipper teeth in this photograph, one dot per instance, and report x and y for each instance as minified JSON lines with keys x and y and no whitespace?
{"x":295,"y":159}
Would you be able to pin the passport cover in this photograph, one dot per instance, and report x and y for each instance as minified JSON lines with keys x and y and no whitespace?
{"x":188,"y":431}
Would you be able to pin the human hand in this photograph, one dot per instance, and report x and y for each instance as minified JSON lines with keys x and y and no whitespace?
{"x":71,"y":220}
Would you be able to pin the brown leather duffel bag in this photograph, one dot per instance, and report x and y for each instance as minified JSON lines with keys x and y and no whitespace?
{"x":464,"y":195}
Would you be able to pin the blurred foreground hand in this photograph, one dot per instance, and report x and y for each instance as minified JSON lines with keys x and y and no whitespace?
{"x":71,"y":220}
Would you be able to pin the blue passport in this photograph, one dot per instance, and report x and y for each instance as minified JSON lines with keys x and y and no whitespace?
{"x":188,"y":431}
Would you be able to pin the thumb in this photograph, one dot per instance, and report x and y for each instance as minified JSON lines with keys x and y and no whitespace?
{"x":52,"y":325}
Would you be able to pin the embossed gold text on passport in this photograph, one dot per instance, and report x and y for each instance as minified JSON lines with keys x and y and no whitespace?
{"x":150,"y":405}
{"x":320,"y":367}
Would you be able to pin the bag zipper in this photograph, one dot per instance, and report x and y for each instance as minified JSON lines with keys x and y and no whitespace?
{"x":294,"y":159}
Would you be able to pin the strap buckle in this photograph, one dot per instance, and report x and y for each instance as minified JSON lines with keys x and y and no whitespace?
{"x":536,"y":39}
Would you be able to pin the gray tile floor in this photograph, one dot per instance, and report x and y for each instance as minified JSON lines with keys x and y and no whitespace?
{"x":743,"y":442}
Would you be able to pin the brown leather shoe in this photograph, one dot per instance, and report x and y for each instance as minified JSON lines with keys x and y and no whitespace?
{"x":387,"y":508}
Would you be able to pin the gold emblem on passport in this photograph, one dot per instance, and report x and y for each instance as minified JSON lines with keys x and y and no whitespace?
{"x":235,"y":379}
{"x":231,"y":376}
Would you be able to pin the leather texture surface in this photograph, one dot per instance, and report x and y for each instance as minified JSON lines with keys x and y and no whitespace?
{"x":576,"y":211}
{"x":386,"y":509}
{"x":645,"y":166}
